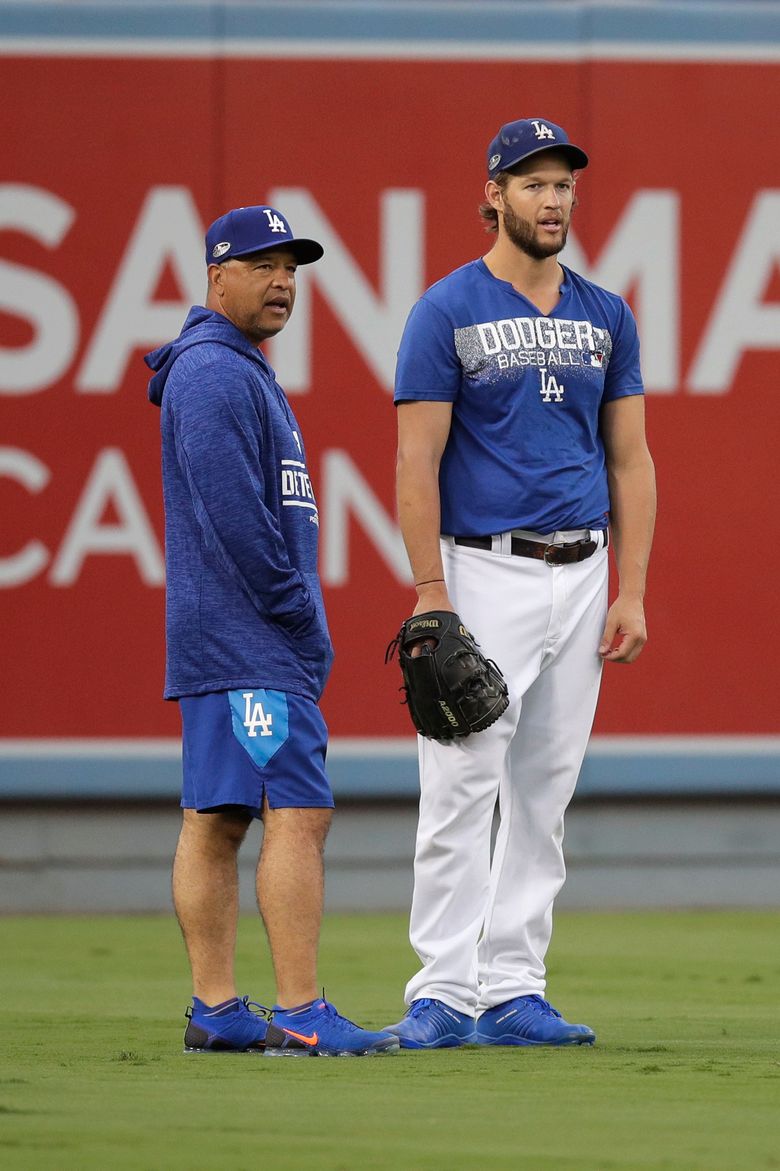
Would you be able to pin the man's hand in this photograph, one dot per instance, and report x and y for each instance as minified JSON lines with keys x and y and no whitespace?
{"x":625,"y":633}
{"x":431,"y":596}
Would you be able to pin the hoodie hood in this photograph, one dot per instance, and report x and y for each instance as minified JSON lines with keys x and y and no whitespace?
{"x":202,"y":325}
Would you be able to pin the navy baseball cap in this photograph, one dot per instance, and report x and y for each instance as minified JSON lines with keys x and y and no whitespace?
{"x":528,"y":136}
{"x":253,"y":229}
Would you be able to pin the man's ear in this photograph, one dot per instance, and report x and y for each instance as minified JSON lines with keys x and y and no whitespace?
{"x":493,"y":194}
{"x":216,"y":278}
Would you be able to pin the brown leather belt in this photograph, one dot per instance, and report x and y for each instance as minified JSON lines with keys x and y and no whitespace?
{"x":551,"y":554}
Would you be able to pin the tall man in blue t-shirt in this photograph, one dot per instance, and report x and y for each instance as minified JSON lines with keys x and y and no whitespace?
{"x":248,"y":649}
{"x":521,"y":445}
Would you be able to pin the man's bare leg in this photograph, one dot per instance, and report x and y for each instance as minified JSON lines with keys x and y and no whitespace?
{"x":205,"y":895}
{"x":290,"y":892}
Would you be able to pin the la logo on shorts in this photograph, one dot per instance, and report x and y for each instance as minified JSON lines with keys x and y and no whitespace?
{"x":260,"y":722}
{"x":254,"y":715}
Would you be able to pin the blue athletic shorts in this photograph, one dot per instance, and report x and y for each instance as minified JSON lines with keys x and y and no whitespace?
{"x":242,"y":746}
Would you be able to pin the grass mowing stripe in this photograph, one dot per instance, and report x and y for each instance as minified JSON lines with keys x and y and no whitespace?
{"x":685,"y":1074}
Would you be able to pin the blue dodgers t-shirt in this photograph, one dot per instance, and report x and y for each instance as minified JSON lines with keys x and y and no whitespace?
{"x":524,"y":450}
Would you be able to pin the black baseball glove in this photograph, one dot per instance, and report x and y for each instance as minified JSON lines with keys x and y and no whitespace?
{"x":451,"y":688}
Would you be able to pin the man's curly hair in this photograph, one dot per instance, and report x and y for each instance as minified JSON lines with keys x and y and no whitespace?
{"x":487,"y":212}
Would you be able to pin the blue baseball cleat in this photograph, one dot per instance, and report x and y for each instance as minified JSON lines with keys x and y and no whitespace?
{"x":431,"y":1024}
{"x":230,"y":1027}
{"x":324,"y":1032}
{"x":529,"y":1020}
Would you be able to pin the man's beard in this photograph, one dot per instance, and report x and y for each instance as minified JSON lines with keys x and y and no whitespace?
{"x":522,"y":233}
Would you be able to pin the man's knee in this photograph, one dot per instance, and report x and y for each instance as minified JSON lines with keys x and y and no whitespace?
{"x":216,"y":829}
{"x":303,"y":826}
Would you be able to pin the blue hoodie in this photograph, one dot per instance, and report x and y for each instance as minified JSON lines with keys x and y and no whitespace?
{"x":243,"y":603}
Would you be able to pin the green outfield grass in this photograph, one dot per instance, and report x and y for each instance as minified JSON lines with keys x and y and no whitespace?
{"x":685,"y":1074}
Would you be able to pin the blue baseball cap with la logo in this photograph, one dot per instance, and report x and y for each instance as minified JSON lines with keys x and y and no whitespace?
{"x":528,"y":136}
{"x":253,"y":229}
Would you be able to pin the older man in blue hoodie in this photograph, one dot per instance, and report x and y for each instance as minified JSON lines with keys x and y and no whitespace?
{"x":248,"y":649}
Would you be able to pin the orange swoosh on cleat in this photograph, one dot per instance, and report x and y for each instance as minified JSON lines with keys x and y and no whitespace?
{"x":312,"y":1040}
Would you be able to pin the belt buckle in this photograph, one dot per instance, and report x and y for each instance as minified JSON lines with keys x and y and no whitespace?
{"x":578,"y":544}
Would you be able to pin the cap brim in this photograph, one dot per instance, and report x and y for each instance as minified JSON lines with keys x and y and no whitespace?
{"x":304,"y":251}
{"x":578,"y":159}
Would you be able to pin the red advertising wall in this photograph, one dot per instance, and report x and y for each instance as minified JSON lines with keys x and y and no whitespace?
{"x":102,"y":204}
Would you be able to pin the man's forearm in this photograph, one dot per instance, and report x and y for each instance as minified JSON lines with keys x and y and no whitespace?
{"x":419,"y":513}
{"x":419,"y":516}
{"x":632,"y":512}
{"x":423,"y":428}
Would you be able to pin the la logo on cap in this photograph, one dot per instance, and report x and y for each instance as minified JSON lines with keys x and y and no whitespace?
{"x":275,"y":222}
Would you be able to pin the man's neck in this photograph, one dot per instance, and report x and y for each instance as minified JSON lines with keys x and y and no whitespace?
{"x":538,"y":280}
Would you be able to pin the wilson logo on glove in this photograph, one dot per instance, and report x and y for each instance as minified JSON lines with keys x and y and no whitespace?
{"x":450,"y":687}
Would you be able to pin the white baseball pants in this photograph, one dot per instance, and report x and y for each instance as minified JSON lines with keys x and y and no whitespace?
{"x":481,"y":929}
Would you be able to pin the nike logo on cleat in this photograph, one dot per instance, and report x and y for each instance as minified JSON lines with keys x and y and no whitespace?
{"x":311,"y":1040}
